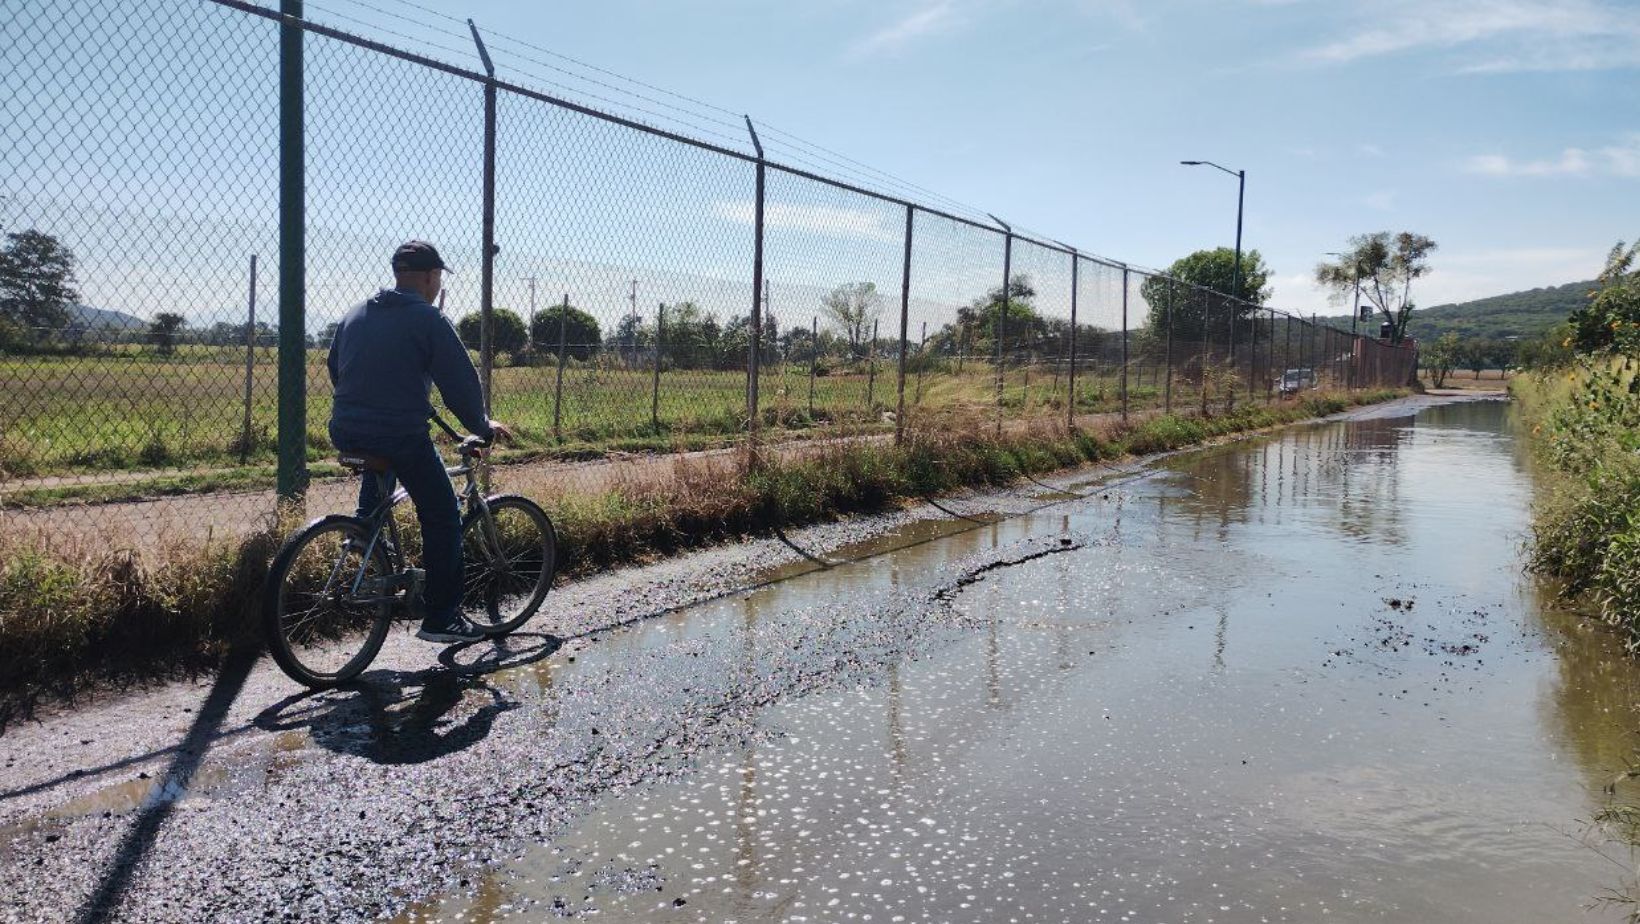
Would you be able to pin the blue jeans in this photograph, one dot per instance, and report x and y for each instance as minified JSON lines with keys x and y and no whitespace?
{"x":418,"y":466}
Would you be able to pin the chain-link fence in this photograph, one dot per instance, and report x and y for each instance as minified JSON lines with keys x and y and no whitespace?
{"x":194,"y":192}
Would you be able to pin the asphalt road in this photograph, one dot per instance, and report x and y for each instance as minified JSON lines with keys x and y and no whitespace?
{"x":238,"y":797}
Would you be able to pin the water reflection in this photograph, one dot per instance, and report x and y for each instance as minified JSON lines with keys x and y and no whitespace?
{"x":1400,"y":731}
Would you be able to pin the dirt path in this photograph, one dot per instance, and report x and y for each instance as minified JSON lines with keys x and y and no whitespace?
{"x":226,"y":515}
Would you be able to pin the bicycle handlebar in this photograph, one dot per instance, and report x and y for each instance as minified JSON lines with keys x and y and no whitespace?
{"x":470,"y":445}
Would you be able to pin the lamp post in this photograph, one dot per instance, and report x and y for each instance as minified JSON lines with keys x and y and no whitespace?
{"x":1241,"y":196}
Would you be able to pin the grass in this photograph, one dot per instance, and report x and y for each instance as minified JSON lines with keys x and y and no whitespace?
{"x":72,"y":614}
{"x":1585,"y":430}
{"x":133,"y":412}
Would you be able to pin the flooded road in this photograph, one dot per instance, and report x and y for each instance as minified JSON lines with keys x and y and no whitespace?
{"x":1286,"y":680}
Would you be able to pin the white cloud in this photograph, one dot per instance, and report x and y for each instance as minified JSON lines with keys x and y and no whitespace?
{"x":929,"y":20}
{"x":829,"y":220}
{"x":1369,"y":150}
{"x":944,"y":16}
{"x":1495,"y":36}
{"x":1621,"y":159}
{"x":1382,"y":201}
{"x":1460,"y":276}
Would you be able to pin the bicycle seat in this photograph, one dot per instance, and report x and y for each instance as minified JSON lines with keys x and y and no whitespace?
{"x":357,"y":462}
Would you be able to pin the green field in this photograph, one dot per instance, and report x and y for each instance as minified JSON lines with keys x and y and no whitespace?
{"x":133,"y":410}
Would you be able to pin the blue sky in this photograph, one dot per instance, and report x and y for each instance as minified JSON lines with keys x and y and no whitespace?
{"x":1508,"y":130}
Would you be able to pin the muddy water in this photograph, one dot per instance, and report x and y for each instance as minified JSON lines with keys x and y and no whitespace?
{"x":1293,"y":680}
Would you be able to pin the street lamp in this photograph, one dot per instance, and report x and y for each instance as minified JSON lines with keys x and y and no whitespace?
{"x":1235,"y":285}
{"x":1241,"y":195}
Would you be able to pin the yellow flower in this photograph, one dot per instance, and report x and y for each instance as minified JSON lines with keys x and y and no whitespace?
{"x":1567,"y":342}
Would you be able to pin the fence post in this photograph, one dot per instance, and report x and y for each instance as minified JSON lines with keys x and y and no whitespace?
{"x":1287,"y":351}
{"x":250,"y":363}
{"x":999,"y":330}
{"x":1124,"y":343}
{"x":292,"y":478}
{"x":1307,"y":352}
{"x":1167,"y":387}
{"x":655,"y":390}
{"x":1070,"y":393}
{"x":905,"y":330}
{"x":756,"y":350}
{"x":814,"y":360}
{"x":922,"y":361}
{"x":1207,"y":343}
{"x":558,"y":386}
{"x":1255,"y":371}
{"x":486,"y":279}
{"x":871,"y":370}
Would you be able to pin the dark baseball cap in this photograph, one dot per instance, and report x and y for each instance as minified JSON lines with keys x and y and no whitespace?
{"x":418,"y":256}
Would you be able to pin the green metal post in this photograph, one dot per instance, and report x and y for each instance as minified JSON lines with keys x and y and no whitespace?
{"x":292,"y":478}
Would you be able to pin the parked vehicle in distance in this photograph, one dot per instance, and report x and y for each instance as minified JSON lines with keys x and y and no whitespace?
{"x":1294,"y":381}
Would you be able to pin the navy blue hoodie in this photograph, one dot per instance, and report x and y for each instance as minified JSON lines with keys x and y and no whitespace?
{"x":387,"y":354}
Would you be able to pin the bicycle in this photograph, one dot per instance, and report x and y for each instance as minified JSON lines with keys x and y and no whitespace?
{"x":339,"y":582}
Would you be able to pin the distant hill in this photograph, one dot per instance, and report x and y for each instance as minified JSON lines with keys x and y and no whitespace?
{"x":103,"y":319}
{"x":1517,"y":315}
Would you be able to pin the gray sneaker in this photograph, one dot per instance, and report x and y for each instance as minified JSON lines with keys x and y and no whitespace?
{"x":448,"y":630}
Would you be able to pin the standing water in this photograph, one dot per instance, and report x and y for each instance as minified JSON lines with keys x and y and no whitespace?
{"x":1287,"y":680}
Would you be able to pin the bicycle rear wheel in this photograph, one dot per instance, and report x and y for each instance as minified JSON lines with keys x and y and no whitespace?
{"x":510,"y":558}
{"x":326,"y":610}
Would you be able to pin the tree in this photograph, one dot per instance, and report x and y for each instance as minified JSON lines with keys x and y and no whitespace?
{"x":581,"y":332}
{"x":36,"y":284}
{"x":507,"y":333}
{"x":1386,"y":265}
{"x":1201,"y":308}
{"x":1611,"y":319}
{"x":1477,"y":354}
{"x":162,"y":333}
{"x":1439,"y":357}
{"x":853,"y":305}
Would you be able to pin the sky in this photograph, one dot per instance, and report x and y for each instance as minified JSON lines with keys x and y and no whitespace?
{"x":1507,"y":130}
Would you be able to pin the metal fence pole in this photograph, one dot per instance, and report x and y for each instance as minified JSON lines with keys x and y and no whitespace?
{"x":905,"y":330}
{"x":1287,"y":349}
{"x":756,"y":351}
{"x":558,"y":385}
{"x":814,"y":359}
{"x":871,"y":370}
{"x":922,"y":361}
{"x":1207,"y":343}
{"x":1070,"y":391}
{"x":1124,"y":343}
{"x":292,"y":477}
{"x":486,"y":279}
{"x":655,"y":389}
{"x":999,"y":329}
{"x":250,"y":366}
{"x":1307,"y":352}
{"x":1167,"y":386}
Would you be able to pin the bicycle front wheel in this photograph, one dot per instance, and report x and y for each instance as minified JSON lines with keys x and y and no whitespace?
{"x":509,"y":557}
{"x":326,"y":610}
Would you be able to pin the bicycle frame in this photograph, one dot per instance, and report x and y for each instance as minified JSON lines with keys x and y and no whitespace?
{"x":381,"y":518}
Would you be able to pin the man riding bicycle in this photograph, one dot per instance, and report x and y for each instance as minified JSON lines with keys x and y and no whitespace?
{"x":387,"y":354}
